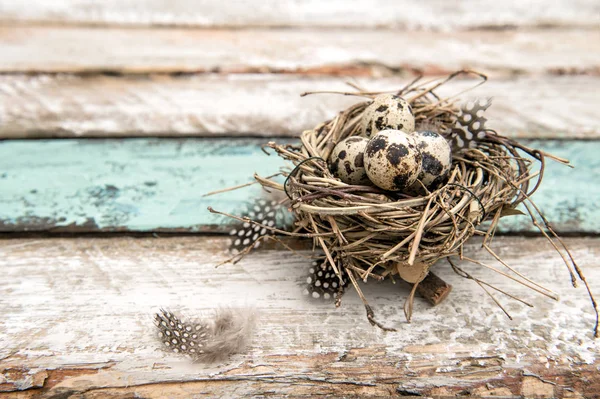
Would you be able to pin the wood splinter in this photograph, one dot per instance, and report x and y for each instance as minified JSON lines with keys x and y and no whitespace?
{"x":434,"y":289}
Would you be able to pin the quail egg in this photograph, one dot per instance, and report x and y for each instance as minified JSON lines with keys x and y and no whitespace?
{"x":347,"y":161}
{"x":392,"y":160}
{"x":387,"y":111}
{"x":436,"y":158}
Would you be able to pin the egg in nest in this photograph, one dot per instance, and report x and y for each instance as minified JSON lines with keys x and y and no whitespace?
{"x":392,"y":160}
{"x":436,"y":158}
{"x":347,"y":161}
{"x":387,"y":111}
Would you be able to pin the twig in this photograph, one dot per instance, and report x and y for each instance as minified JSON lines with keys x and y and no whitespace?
{"x":466,"y":275}
{"x":238,"y":187}
{"x":370,"y":313}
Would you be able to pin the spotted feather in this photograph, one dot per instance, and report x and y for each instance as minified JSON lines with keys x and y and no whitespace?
{"x":268,"y":213}
{"x":470,"y":124}
{"x":180,"y":336}
{"x":322,"y":282}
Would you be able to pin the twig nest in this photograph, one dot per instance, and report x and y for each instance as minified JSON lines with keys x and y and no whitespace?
{"x":347,"y":161}
{"x":387,"y":111}
{"x":392,"y":160}
{"x":369,"y":233}
{"x":436,"y":158}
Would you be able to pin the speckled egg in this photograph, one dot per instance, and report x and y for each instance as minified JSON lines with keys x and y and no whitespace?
{"x":392,"y":160}
{"x":436,"y":158}
{"x":347,"y":161}
{"x":387,"y":111}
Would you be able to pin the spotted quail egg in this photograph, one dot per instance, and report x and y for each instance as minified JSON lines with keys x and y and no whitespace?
{"x":387,"y":111}
{"x":436,"y":158}
{"x":347,"y":161}
{"x":392,"y":160}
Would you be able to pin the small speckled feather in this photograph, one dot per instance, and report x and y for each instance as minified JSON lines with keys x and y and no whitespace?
{"x":209,"y":340}
{"x":470,"y":124}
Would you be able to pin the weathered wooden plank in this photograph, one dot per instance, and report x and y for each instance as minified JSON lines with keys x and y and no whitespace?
{"x":265,"y":105}
{"x":428,"y":14}
{"x":103,"y":183}
{"x":157,"y":184}
{"x":76,"y":320}
{"x":347,"y":52}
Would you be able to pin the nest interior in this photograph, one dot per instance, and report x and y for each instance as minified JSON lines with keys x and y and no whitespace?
{"x":368,"y":233}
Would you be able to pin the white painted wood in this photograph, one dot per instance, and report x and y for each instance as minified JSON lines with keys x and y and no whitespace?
{"x":332,"y":51}
{"x":73,"y":106}
{"x":426,"y":14}
{"x":85,"y":305}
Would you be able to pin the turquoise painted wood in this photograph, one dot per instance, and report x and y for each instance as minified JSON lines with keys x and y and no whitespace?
{"x":124,"y":185}
{"x":138,"y":185}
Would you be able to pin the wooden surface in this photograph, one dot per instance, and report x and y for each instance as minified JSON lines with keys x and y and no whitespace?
{"x":77,"y":320}
{"x":428,"y":14}
{"x":265,"y":105}
{"x":77,"y":312}
{"x":79,"y":49}
{"x":158,"y":184}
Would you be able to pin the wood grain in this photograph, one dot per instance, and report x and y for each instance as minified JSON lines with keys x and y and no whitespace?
{"x":157,"y":185}
{"x":346,"y":52}
{"x":77,"y":323}
{"x":427,"y":14}
{"x":265,"y":105}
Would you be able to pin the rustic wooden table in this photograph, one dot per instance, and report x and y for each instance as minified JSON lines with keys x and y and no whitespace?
{"x":117,"y":116}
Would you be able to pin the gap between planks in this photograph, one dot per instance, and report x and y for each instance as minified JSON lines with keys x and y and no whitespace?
{"x":406,"y":14}
{"x":31,"y":49}
{"x":265,"y":105}
{"x":77,"y":317}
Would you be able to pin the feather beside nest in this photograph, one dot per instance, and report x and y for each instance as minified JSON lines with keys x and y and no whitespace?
{"x":213,"y":339}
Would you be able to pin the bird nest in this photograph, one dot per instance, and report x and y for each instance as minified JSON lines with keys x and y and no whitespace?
{"x":369,"y":233}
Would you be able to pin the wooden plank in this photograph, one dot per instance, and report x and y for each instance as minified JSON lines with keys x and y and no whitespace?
{"x":428,"y":14}
{"x":265,"y":105}
{"x":157,"y":184}
{"x":332,"y":51}
{"x":77,"y":323}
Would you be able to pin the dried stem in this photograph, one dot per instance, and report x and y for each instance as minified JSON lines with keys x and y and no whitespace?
{"x":466,"y":275}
